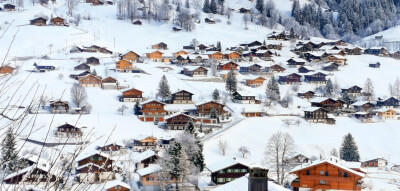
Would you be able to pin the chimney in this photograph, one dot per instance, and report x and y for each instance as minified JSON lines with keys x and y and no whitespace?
{"x":258,"y":179}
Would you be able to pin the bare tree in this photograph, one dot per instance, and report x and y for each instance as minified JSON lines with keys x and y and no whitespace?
{"x":78,"y":95}
{"x":279,"y":148}
{"x":122,"y":109}
{"x":243,"y":150}
{"x":334,"y":152}
{"x":223,"y":146}
{"x":60,"y":76}
{"x":287,"y":122}
{"x":369,"y":92}
{"x":246,"y":19}
{"x":297,"y":122}
{"x":71,"y":5}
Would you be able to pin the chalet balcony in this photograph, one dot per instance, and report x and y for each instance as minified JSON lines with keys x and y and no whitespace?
{"x":327,"y":178}
{"x":295,"y":183}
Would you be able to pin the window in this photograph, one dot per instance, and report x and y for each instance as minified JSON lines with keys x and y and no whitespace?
{"x":237,"y":170}
{"x":345,"y":174}
{"x":326,"y":173}
{"x":322,"y":172}
{"x":244,"y":170}
{"x":308,"y":172}
{"x":222,"y":171}
{"x":229,"y":170}
{"x":221,"y":180}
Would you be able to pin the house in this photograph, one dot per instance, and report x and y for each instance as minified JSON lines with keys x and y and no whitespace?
{"x":202,"y":47}
{"x":276,"y":68}
{"x":296,"y":62}
{"x":378,"y":51}
{"x":116,"y":185}
{"x":328,"y":104}
{"x":227,"y":170}
{"x":132,"y":95}
{"x":95,"y":167}
{"x":255,"y":81}
{"x":396,"y":55}
{"x":204,"y":108}
{"x":341,"y":60}
{"x":6,"y":70}
{"x":57,"y":21}
{"x":290,"y":79}
{"x":305,"y":69}
{"x":363,"y":116}
{"x":145,"y":159}
{"x":82,"y":67}
{"x":315,"y":114}
{"x":34,"y":174}
{"x":376,"y":65}
{"x":228,"y":66}
{"x":130,"y":56}
{"x":209,"y":20}
{"x":149,"y":180}
{"x":363,"y":106}
{"x":160,"y":46}
{"x":68,"y":131}
{"x":165,"y":143}
{"x":381,"y":163}
{"x":316,"y":78}
{"x":95,"y":2}
{"x":152,"y":110}
{"x":176,"y":29}
{"x":38,"y":21}
{"x":111,"y":148}
{"x":155,"y":56}
{"x":9,"y":7}
{"x":252,"y":69}
{"x":327,"y":174}
{"x":244,"y":10}
{"x":388,"y":103}
{"x":281,"y":36}
{"x":182,"y":97}
{"x":137,"y":22}
{"x":92,"y":61}
{"x":243,"y":97}
{"x":109,"y":83}
{"x":195,"y":71}
{"x":215,"y":55}
{"x":312,"y":56}
{"x":231,"y":55}
{"x":298,"y":160}
{"x":330,"y":67}
{"x":178,"y":121}
{"x":352,"y":92}
{"x":79,"y":76}
{"x":306,"y":95}
{"x":180,"y":53}
{"x":43,"y":68}
{"x":197,"y":58}
{"x":59,"y":106}
{"x":274,"y":45}
{"x":264,"y":54}
{"x":123,"y":66}
{"x":386,"y":113}
{"x":354,"y":51}
{"x":143,"y":144}
{"x":90,"y":80}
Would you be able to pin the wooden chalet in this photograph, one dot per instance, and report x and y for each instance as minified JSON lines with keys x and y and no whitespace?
{"x":42,"y":69}
{"x":375,"y":65}
{"x":290,"y":79}
{"x":281,"y":36}
{"x":252,"y":69}
{"x":148,"y":178}
{"x":143,"y":144}
{"x":95,"y":167}
{"x":354,"y":51}
{"x":352,"y":92}
{"x":243,"y":97}
{"x":202,"y":47}
{"x":209,"y":20}
{"x":306,"y":95}
{"x":244,"y":10}
{"x":195,"y":71}
{"x":265,"y":54}
{"x":152,"y":110}
{"x":312,"y":56}
{"x":276,"y":46}
{"x":57,"y":21}
{"x":181,"y":97}
{"x":388,"y":103}
{"x":326,"y":175}
{"x":95,"y":48}
{"x":59,"y":106}
{"x":160,"y":46}
{"x":328,"y":104}
{"x":90,"y":80}
{"x":32,"y":174}
{"x":176,"y":29}
{"x":137,"y":22}
{"x":110,"y":148}
{"x":130,"y":56}
{"x":386,"y":113}
{"x":145,"y":159}
{"x":155,"y":56}
{"x":255,"y":82}
{"x":116,"y":185}
{"x":276,"y":68}
{"x":330,"y":67}
{"x":6,"y":70}
{"x":109,"y":83}
{"x":204,"y":108}
{"x":336,"y":59}
{"x":316,"y":78}
{"x":82,"y":67}
{"x":68,"y":131}
{"x":305,"y":69}
{"x":38,"y":21}
{"x":179,"y":53}
{"x":298,"y":160}
{"x":9,"y":7}
{"x":132,"y":95}
{"x":377,"y":51}
{"x":396,"y":55}
{"x":231,"y":55}
{"x":296,"y":62}
{"x":228,"y":66}
{"x":363,"y":116}
{"x":81,"y":75}
{"x":124,"y":66}
{"x":363,"y":106}
{"x":92,"y":61}
{"x":227,"y":170}
{"x":216,"y":56}
{"x":317,"y":115}
{"x":95,"y":2}
{"x":380,"y":163}
{"x":178,"y":121}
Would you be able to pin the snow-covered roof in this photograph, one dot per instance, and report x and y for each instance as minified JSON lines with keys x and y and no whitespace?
{"x":308,"y":67}
{"x":262,"y":51}
{"x":143,"y":155}
{"x":176,"y":114}
{"x":331,"y":160}
{"x":339,"y":57}
{"x":242,"y":184}
{"x":311,"y":109}
{"x":333,"y":51}
{"x":318,"y":99}
{"x":207,"y":101}
{"x":151,"y":100}
{"x":297,"y":59}
{"x":113,"y":183}
{"x":191,"y":68}
{"x":223,"y":164}
{"x":91,"y":153}
{"x":243,"y":93}
{"x":149,"y":170}
{"x":89,"y":164}
{"x":384,"y":110}
{"x":253,"y":77}
{"x":360,"y":103}
{"x":179,"y":107}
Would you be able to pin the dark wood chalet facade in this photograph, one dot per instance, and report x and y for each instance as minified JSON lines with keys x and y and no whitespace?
{"x":388,"y":103}
{"x":182,"y":97}
{"x":306,"y":95}
{"x":204,"y":109}
{"x":178,"y":121}
{"x":328,"y":104}
{"x":227,"y":170}
{"x":228,"y":66}
{"x":316,"y":78}
{"x":195,"y":71}
{"x":290,"y":79}
{"x":252,"y":69}
{"x":38,"y":21}
{"x":68,"y":131}
{"x":317,"y":115}
{"x":92,"y":61}
{"x":276,"y":68}
{"x":59,"y":106}
{"x":82,"y":67}
{"x":33,"y":175}
{"x":153,"y":110}
{"x":353,"y":92}
{"x":132,"y":95}
{"x":95,"y":163}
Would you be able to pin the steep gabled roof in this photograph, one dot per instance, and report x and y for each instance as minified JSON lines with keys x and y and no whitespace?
{"x":224,"y":164}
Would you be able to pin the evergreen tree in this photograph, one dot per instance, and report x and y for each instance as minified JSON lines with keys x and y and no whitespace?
{"x":260,"y":6}
{"x":215,"y":95}
{"x":296,"y":10}
{"x":346,"y":98}
{"x":213,"y":113}
{"x":206,"y":6}
{"x":190,"y":127}
{"x":273,"y":92}
{"x":163,"y":88}
{"x":349,"y":149}
{"x":291,"y":34}
{"x":94,"y":72}
{"x":231,"y":82}
{"x":213,"y":7}
{"x":264,"y":43}
{"x":187,"y":4}
{"x":219,"y":46}
{"x":329,"y":88}
{"x":175,"y":152}
{"x":137,"y":108}
{"x":9,"y":155}
{"x":198,"y":160}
